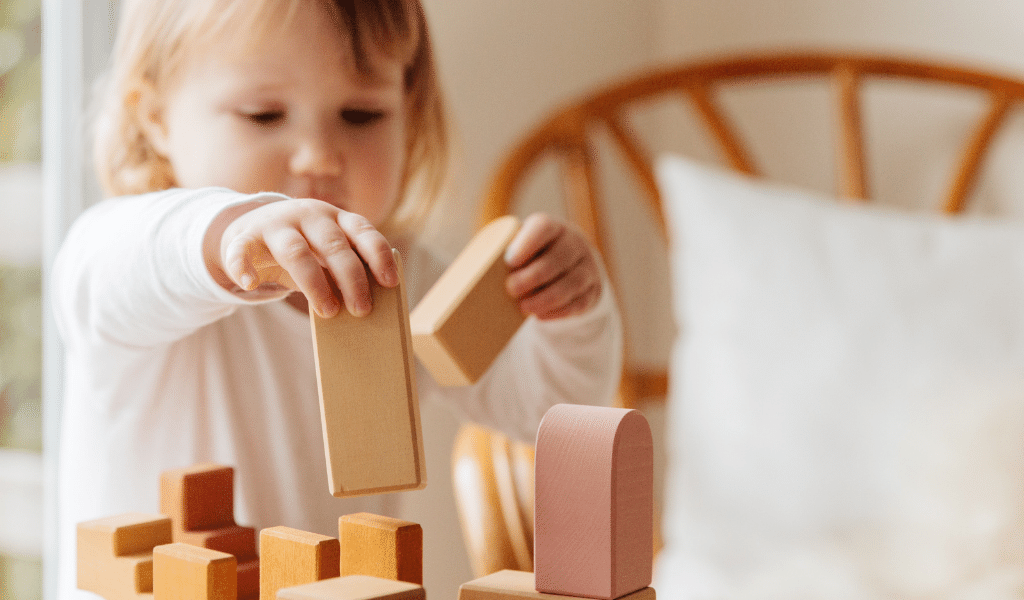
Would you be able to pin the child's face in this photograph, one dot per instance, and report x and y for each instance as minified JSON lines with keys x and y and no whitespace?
{"x":290,"y":115}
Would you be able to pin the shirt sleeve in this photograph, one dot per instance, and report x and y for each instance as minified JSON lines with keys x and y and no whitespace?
{"x":131,"y":270}
{"x":575,"y":360}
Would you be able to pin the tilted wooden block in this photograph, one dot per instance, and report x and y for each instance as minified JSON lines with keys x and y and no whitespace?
{"x":354,"y":587}
{"x":371,"y":416}
{"x":115,"y":554}
{"x":594,"y":531}
{"x":186,"y":572}
{"x":291,"y":557}
{"x":201,"y":503}
{"x":381,"y":547}
{"x":519,"y":585}
{"x":467,"y":317}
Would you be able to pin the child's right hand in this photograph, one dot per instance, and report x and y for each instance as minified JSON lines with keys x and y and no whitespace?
{"x":311,"y":240}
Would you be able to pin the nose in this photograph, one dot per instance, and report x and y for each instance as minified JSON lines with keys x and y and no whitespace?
{"x":316,"y":154}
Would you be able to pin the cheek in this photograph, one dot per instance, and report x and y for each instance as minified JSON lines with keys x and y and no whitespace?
{"x":383,"y":166}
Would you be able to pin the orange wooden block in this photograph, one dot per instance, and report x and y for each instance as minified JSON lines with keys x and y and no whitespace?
{"x":115,"y":554}
{"x":201,"y":503}
{"x":186,"y":572}
{"x":292,"y":557}
{"x":371,"y":415}
{"x":249,"y":579}
{"x":594,"y":532}
{"x":199,"y":498}
{"x":381,"y":547}
{"x":467,"y":317}
{"x":236,"y":540}
{"x":354,"y":587}
{"x":519,"y":585}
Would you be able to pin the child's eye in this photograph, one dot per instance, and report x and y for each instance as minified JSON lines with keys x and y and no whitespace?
{"x":265,"y":117}
{"x":361,"y":117}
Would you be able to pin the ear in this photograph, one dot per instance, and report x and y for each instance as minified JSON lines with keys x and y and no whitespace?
{"x":150,"y":113}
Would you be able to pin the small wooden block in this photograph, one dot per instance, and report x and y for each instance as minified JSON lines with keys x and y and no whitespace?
{"x":354,"y":587}
{"x":249,"y":579}
{"x":371,"y":416}
{"x":292,"y":557}
{"x":115,"y":554}
{"x":594,"y":508}
{"x":519,"y":585}
{"x":467,"y":317}
{"x":237,"y":540}
{"x":198,"y":498}
{"x":186,"y":572}
{"x":381,"y":547}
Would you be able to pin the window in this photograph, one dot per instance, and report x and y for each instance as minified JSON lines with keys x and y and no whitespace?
{"x":20,"y":301}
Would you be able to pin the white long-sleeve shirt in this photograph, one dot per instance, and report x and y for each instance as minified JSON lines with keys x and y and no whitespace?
{"x":166,"y":368}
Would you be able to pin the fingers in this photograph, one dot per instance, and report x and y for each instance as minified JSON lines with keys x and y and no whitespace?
{"x":554,"y":271}
{"x":313,"y":247}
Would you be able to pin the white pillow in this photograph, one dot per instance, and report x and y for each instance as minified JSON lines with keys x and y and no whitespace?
{"x":847,"y":398}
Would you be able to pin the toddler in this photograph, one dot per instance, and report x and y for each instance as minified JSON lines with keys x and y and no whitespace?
{"x":233,"y":134}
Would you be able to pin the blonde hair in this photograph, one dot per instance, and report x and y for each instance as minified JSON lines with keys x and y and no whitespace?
{"x":156,"y":38}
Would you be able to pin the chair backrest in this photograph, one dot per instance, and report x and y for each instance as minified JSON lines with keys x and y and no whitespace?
{"x":566,"y":138}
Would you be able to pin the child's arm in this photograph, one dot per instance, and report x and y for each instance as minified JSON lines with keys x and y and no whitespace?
{"x":311,"y":240}
{"x":554,"y":272}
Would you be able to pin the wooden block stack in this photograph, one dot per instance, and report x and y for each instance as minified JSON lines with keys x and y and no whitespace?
{"x":470,"y":295}
{"x":366,"y":376}
{"x":381,"y":547}
{"x":200,"y":500}
{"x":115,"y":554}
{"x":594,"y":504}
{"x":187,"y":572}
{"x":380,"y":559}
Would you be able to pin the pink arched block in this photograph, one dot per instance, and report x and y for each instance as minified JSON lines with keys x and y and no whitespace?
{"x":594,"y":502}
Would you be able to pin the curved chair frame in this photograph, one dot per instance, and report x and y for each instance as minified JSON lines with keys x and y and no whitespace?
{"x":494,"y":497}
{"x":566,"y":136}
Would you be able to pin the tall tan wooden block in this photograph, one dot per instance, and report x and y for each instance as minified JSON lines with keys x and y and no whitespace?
{"x":519,"y":585}
{"x":594,"y":532}
{"x":371,"y":416}
{"x":354,"y":587}
{"x":381,"y":547}
{"x":467,"y":317}
{"x":115,"y":554}
{"x":186,"y":572}
{"x":291,"y":557}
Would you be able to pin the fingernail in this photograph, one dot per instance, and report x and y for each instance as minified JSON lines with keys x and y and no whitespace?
{"x":247,"y":281}
{"x":360,"y":309}
{"x":390,"y":278}
{"x":329,"y":308}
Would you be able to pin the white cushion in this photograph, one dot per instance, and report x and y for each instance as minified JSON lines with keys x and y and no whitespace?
{"x":846,"y":416}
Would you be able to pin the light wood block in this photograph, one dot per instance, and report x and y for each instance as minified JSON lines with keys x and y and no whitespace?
{"x":371,"y":416}
{"x":292,"y":557}
{"x":354,"y":587}
{"x":115,"y":554}
{"x":519,"y":585}
{"x":198,"y":498}
{"x":594,"y":532}
{"x":186,"y":572}
{"x":467,"y":317}
{"x":381,"y":547}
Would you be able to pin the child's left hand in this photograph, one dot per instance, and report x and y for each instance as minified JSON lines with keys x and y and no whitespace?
{"x":554,"y":271}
